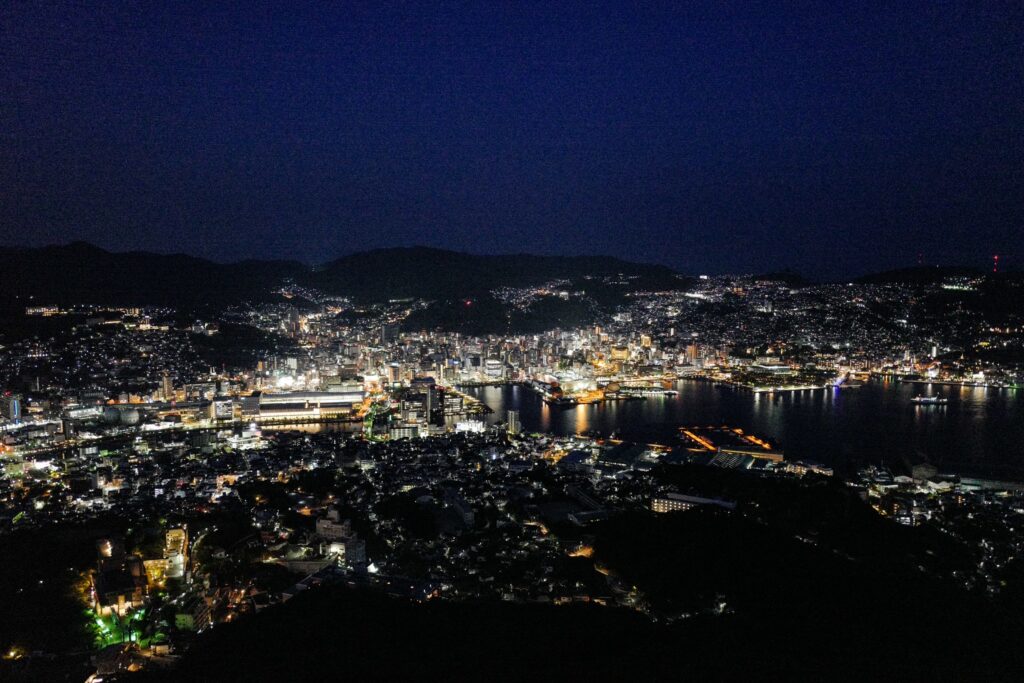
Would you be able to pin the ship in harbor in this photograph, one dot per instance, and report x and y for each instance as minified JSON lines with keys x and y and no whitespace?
{"x":930,"y":400}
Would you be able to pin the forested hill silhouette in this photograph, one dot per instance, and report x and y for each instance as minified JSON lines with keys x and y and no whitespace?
{"x":82,"y":273}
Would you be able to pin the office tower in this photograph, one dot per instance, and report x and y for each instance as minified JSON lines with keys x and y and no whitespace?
{"x":10,"y":407}
{"x":514,"y":426}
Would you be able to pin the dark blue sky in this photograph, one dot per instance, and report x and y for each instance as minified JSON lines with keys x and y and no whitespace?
{"x":832,"y":140}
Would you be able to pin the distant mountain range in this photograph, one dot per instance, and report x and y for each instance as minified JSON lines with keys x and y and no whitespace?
{"x":439,"y":274}
{"x":82,"y":273}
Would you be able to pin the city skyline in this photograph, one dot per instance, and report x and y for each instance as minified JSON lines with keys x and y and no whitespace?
{"x":480,"y":340}
{"x":550,"y":452}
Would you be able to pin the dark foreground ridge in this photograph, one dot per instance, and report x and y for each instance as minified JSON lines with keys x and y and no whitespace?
{"x":878,"y":632}
{"x":832,"y":609}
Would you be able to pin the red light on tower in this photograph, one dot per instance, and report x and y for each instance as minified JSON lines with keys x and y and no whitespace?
{"x":995,"y":263}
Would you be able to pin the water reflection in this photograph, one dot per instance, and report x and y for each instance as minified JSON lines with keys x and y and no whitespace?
{"x":978,"y":428}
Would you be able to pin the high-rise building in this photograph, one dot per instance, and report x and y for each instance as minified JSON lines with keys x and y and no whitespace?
{"x":514,"y":426}
{"x":10,"y":407}
{"x":167,"y":389}
{"x":424,"y":389}
{"x":394,"y":372}
{"x":389,"y":333}
{"x":691,"y":354}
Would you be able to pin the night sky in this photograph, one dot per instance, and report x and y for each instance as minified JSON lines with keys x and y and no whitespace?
{"x":764,"y":136}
